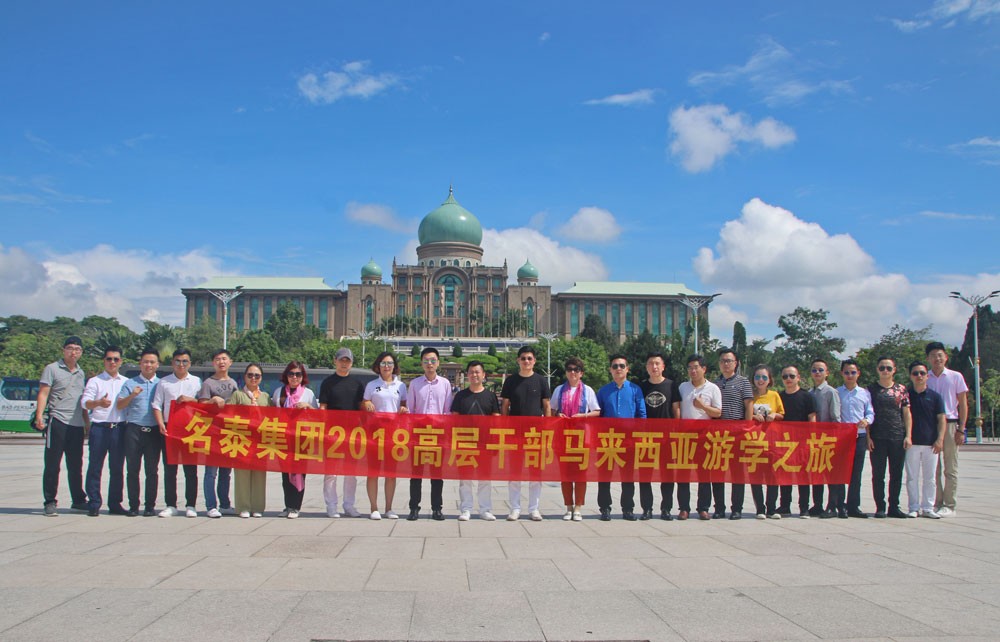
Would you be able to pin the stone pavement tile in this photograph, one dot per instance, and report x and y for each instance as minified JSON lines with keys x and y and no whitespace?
{"x":827,"y":611}
{"x":618,"y":547}
{"x":226,"y":525}
{"x":992,"y":558}
{"x":500,"y":528}
{"x":608,"y":574}
{"x":225,"y":573}
{"x":48,"y":569}
{"x":835,"y":543}
{"x":418,"y":575}
{"x":365,"y":615}
{"x":988,"y":593}
{"x":16,"y":539}
{"x":158,"y":525}
{"x":384,"y":548}
{"x":986,"y":542}
{"x":149,"y":544}
{"x":284,"y":526}
{"x":99,"y":614}
{"x":776,"y":544}
{"x":929,"y":604}
{"x":618,"y":527}
{"x":703,"y":572}
{"x":694,"y":546}
{"x":876,"y":569}
{"x":321,"y":575}
{"x":423,"y":527}
{"x":72,"y":543}
{"x":515,"y":575}
{"x":720,"y":614}
{"x":446,"y":548}
{"x":792,"y":570}
{"x":540,"y":548}
{"x":981,"y":523}
{"x":355,"y":526}
{"x":224,"y":615}
{"x":900,"y":541}
{"x":130,"y":571}
{"x":601,"y":615}
{"x":80,"y":523}
{"x":950,"y":565}
{"x":312,"y":546}
{"x":473,"y":616}
{"x":20,"y":604}
{"x":226,"y":545}
{"x":33,"y":523}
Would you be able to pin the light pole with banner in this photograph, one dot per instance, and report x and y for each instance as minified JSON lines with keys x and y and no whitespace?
{"x":696,"y":303}
{"x":975,"y":301}
{"x":226,"y":296}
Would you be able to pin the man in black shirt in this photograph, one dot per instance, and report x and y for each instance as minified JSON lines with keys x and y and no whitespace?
{"x":525,"y":394}
{"x":888,"y":437}
{"x":475,"y":400}
{"x":663,"y":401}
{"x":341,"y":391}
{"x":799,"y":406}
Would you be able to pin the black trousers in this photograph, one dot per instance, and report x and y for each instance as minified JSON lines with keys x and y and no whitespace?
{"x":667,"y":497}
{"x":63,"y":441}
{"x":143,"y":445}
{"x":627,"y":500}
{"x":293,"y":496}
{"x":842,"y":498}
{"x":416,"y":490}
{"x":738,"y":493}
{"x":784,"y":505}
{"x":709,"y":491}
{"x":170,"y":483}
{"x":891,"y":452}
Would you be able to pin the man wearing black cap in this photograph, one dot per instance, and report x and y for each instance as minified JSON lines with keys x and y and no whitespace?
{"x":59,"y":391}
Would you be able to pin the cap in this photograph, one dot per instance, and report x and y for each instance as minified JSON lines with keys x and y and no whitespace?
{"x":345,"y":353}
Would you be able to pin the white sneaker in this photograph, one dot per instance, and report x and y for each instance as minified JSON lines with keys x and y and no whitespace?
{"x":487,"y":516}
{"x":391,"y":515}
{"x":332,"y":513}
{"x":535,"y":516}
{"x":351,"y":511}
{"x":375,"y":515}
{"x":244,"y":514}
{"x":169,"y":511}
{"x":912,"y":513}
{"x":577,"y":516}
{"x":568,"y":516}
{"x":257,"y":514}
{"x":774,"y":516}
{"x":514,"y":515}
{"x":293,"y":514}
{"x":761,"y":516}
{"x":191,"y":512}
{"x":944,"y":511}
{"x":464,"y":516}
{"x":214,"y":513}
{"x":931,"y":514}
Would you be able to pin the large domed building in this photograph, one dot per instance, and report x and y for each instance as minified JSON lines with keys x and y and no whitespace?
{"x":449,"y":295}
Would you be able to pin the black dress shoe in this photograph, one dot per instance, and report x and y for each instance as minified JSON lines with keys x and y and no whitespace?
{"x":628,"y":516}
{"x":898,"y":514}
{"x":132,"y":512}
{"x":816,"y":511}
{"x":736,"y":515}
{"x":80,"y":506}
{"x":666,"y":516}
{"x":93,"y":512}
{"x":605,"y":515}
{"x":437,"y":515}
{"x":718,"y":516}
{"x":842,"y":513}
{"x":414,"y":515}
{"x":646,"y":514}
{"x":853,"y":512}
{"x":828,"y":514}
{"x":149,"y":512}
{"x":880,"y":514}
{"x":117,"y":510}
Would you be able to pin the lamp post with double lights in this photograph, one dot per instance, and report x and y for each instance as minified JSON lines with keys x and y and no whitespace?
{"x":226,"y":296}
{"x":696,"y":303}
{"x":364,"y":335}
{"x":974,"y":301}
{"x":548,"y":336}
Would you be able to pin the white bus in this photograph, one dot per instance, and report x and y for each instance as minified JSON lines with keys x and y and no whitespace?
{"x":17,"y":404}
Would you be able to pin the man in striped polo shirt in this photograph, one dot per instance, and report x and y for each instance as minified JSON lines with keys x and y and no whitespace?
{"x":737,"y":404}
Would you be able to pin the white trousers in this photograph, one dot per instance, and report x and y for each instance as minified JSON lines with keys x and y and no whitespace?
{"x":921,"y":463}
{"x":330,"y":491}
{"x":514,"y":495}
{"x":484,"y":494}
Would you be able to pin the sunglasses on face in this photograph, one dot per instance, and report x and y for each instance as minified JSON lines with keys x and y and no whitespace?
{"x":618,"y":366}
{"x":252,"y":375}
{"x":573,"y":369}
{"x":918,"y":373}
{"x":886,"y":368}
{"x":429,"y":362}
{"x":387,"y":364}
{"x":850,"y":373}
{"x":788,"y":375}
{"x":818,"y":370}
{"x":761,"y":377}
{"x":297,"y":373}
{"x":525,"y":358}
{"x":113,"y":359}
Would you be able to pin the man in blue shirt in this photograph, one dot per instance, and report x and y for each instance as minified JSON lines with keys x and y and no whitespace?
{"x":143,"y":441}
{"x":620,"y":398}
{"x":855,"y":408}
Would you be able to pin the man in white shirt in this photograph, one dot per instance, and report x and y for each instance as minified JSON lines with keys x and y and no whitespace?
{"x":952,"y":388}
{"x":179,"y":386}
{"x":106,"y":432}
{"x":700,"y":399}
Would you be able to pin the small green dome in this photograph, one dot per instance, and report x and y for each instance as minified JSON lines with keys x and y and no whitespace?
{"x":450,"y":223}
{"x":371,"y":270}
{"x":527,"y":271}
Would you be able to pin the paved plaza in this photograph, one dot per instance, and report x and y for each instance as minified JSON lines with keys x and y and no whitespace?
{"x":315,"y":578}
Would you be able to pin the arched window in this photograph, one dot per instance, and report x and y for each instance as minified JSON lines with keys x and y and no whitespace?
{"x":369,"y":313}
{"x":448,"y":285}
{"x":529,"y":318}
{"x":456,"y":263}
{"x":430,"y":263}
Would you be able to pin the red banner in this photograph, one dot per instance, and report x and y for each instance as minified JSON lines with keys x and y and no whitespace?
{"x":509,"y":448}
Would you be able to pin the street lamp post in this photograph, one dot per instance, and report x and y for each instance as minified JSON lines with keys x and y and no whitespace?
{"x":548,"y":336}
{"x":975,"y":301}
{"x":226,"y":296}
{"x":364,"y":335}
{"x":696,"y":303}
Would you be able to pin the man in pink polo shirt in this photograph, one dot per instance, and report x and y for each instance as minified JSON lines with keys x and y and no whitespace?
{"x":951,"y":386}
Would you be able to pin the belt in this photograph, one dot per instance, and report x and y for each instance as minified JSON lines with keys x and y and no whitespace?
{"x":144,"y":428}
{"x":952,"y":421}
{"x":106,"y":423}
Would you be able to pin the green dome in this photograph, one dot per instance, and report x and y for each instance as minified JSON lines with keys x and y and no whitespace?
{"x":371,"y":270}
{"x":450,"y":223}
{"x":527,"y":271}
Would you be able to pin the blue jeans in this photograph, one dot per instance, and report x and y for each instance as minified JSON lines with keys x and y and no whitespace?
{"x":104,"y":441}
{"x":223,"y":475}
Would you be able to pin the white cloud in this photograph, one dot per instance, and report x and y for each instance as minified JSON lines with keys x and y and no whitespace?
{"x":352,"y":81}
{"x":130,"y":285}
{"x":544,"y":37}
{"x":593,"y":225}
{"x":768,"y":261}
{"x":946,"y":12}
{"x":773,"y":73}
{"x":982,"y":148}
{"x":41,"y":191}
{"x":910,"y":26}
{"x":952,"y":216}
{"x":637,"y":97}
{"x":379,"y":215}
{"x":984,"y":141}
{"x":704,"y":135}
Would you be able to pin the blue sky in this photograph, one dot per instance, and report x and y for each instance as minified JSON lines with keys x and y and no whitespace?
{"x":843,"y":156}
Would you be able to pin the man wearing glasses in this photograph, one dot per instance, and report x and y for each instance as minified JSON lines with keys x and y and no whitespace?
{"x":930,"y":429}
{"x":855,"y":408}
{"x":620,"y":398}
{"x":737,"y":405}
{"x":179,"y":386}
{"x":525,"y":394}
{"x":107,"y":432}
{"x":799,"y":406}
{"x":341,"y":391}
{"x":428,"y":394}
{"x":59,"y":390}
{"x":888,"y":437}
{"x":827,"y":403}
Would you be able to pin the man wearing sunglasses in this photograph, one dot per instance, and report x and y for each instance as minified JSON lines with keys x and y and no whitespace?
{"x":855,"y":408}
{"x":799,"y":406}
{"x":143,"y":441}
{"x":827,"y":403}
{"x":525,"y":394}
{"x":107,"y":431}
{"x":888,"y":437}
{"x":620,"y":398}
{"x":928,"y":434}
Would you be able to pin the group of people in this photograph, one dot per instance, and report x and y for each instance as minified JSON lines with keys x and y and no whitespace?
{"x":917,"y":428}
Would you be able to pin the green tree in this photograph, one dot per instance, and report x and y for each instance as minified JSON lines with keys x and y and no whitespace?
{"x":901,"y":344}
{"x":635,"y":350}
{"x":757,"y":353}
{"x":597,"y":331}
{"x":989,"y":348}
{"x":739,"y":341}
{"x":593,"y":355}
{"x":257,"y":346}
{"x":120,"y":336}
{"x":456,"y":350}
{"x":288,"y":328}
{"x":26,"y":355}
{"x":806,"y":335}
{"x":203,"y":339}
{"x":317,"y":353}
{"x":990,"y":391}
{"x":492,"y":351}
